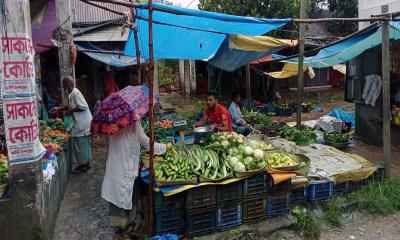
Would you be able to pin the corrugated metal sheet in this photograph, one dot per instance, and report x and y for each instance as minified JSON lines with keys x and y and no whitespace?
{"x":83,"y":12}
{"x":110,"y":33}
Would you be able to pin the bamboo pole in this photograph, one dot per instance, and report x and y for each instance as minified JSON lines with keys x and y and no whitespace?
{"x":248,"y":86}
{"x":126,"y":4}
{"x":102,"y":7}
{"x":386,"y":98}
{"x":151,"y":116}
{"x":300,"y":83}
{"x":325,"y":20}
{"x":135,"y":35}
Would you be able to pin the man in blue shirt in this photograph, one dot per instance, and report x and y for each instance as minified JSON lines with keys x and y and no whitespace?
{"x":238,"y":122}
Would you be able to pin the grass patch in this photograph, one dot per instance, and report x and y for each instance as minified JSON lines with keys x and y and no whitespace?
{"x":237,"y":233}
{"x":380,"y":197}
{"x":333,"y":211}
{"x":306,"y":224}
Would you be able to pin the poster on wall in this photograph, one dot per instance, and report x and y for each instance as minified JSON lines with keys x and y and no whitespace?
{"x":17,"y":76}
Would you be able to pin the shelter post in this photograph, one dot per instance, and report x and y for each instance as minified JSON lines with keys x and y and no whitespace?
{"x":300,"y":83}
{"x":386,"y":97}
{"x":151,"y":117}
{"x":248,"y":86}
{"x":135,"y":35}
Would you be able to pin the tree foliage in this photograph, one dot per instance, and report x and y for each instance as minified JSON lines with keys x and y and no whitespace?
{"x":343,"y":9}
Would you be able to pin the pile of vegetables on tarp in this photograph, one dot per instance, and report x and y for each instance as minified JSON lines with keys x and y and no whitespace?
{"x":302,"y":137}
{"x":53,"y":134}
{"x":256,"y":118}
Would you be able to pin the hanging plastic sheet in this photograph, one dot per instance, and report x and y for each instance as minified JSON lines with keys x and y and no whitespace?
{"x":192,"y":34}
{"x":291,"y":70}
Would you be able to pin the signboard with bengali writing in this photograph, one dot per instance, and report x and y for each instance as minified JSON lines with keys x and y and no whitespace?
{"x":17,"y":76}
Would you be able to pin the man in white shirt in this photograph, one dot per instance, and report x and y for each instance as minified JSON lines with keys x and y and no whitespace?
{"x":78,"y":108}
{"x":238,"y":122}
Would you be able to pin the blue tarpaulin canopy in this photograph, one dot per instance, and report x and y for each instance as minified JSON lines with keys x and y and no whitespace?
{"x":348,"y":48}
{"x":180,"y":33}
{"x":116,"y":60}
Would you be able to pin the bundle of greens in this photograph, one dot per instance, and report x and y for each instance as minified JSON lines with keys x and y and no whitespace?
{"x":302,"y":137}
{"x":336,"y":138}
{"x":256,"y":118}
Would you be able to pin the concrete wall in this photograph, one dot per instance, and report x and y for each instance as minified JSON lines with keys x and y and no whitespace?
{"x":31,"y":212}
{"x":368,"y":7}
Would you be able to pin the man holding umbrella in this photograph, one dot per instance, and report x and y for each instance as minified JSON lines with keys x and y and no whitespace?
{"x":78,"y":108}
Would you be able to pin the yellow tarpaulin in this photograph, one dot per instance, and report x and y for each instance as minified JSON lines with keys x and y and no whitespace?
{"x":259,"y":43}
{"x":291,"y":70}
{"x":341,"y":68}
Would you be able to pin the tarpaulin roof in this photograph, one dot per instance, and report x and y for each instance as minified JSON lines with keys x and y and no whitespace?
{"x":348,"y":48}
{"x":181,"y":33}
{"x":291,"y":70}
{"x":115,"y":60}
{"x":42,"y":31}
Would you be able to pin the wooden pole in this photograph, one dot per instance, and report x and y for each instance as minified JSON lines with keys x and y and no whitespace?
{"x":386,"y":97}
{"x":300,"y":84}
{"x":151,"y":116}
{"x":135,"y":35}
{"x":248,"y":86}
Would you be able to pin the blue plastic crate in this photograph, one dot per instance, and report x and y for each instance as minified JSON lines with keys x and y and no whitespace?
{"x":298,"y":195}
{"x":170,"y":221}
{"x":341,"y":188}
{"x":229,"y":215}
{"x":320,"y":190}
{"x":255,"y":185}
{"x":278,"y":204}
{"x":200,"y":222}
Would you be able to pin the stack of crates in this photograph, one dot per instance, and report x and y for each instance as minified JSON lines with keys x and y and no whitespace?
{"x":320,"y":190}
{"x":255,"y":198}
{"x":278,"y":199}
{"x":169,"y":213}
{"x":298,"y":196}
{"x":341,"y":189}
{"x":201,"y":211}
{"x":379,"y":174}
{"x":229,"y":206}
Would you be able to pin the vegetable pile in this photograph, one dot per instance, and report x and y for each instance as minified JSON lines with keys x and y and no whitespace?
{"x":208,"y":164}
{"x":55,"y":148}
{"x":256,"y":118}
{"x":280,"y":160}
{"x":336,"y":138}
{"x":248,"y":157}
{"x":3,"y":169}
{"x":302,"y":137}
{"x":159,"y":131}
{"x":56,"y":136}
{"x":223,"y":141}
{"x":175,"y":167}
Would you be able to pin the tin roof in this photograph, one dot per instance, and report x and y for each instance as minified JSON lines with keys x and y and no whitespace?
{"x":84,"y":13}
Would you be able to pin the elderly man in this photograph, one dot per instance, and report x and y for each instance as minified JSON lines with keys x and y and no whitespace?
{"x":78,"y":108}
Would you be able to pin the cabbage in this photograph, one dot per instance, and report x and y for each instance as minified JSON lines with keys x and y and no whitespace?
{"x":253,"y":144}
{"x":233,"y":151}
{"x":248,"y":160}
{"x":239,"y":167}
{"x":233,"y":160}
{"x":248,"y":151}
{"x":258,"y":154}
{"x":225,"y":144}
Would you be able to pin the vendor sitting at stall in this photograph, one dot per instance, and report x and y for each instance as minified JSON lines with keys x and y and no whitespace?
{"x":219,"y":116}
{"x":238,"y":122}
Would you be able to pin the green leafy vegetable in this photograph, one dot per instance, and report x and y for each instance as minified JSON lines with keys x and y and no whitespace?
{"x":302,"y":137}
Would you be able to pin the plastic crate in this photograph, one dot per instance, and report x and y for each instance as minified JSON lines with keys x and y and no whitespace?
{"x":278,"y":204}
{"x":229,"y":215}
{"x":282,"y":186}
{"x":202,"y":221}
{"x":284,"y":112}
{"x":255,"y":185}
{"x":341,"y":188}
{"x":320,"y":190}
{"x":229,"y":192}
{"x":201,"y":196}
{"x":298,"y":195}
{"x":172,"y":202}
{"x":170,"y":221}
{"x":254,"y":209}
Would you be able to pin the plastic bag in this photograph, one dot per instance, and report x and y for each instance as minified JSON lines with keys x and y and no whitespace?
{"x":45,"y":115}
{"x":69,"y":123}
{"x":165,"y":237}
{"x":339,"y":113}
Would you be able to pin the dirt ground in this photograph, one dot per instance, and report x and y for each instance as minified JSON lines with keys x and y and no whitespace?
{"x":83,"y":213}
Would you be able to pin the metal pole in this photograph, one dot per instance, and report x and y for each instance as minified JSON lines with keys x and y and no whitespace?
{"x":248,"y":86}
{"x":386,"y":97}
{"x":151,"y":116}
{"x":300,"y":84}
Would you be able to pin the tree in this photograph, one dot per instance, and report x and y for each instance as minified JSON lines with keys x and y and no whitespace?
{"x":343,"y":9}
